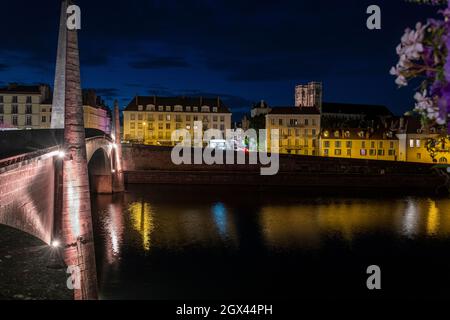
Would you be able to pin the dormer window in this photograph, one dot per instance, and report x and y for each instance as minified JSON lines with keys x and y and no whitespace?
{"x":336,"y":134}
{"x":361,"y":134}
{"x":205,"y":109}
{"x":140,"y":108}
{"x":188,"y":108}
{"x":150,"y":107}
{"x":214,"y":109}
{"x":326,"y":134}
{"x":178,"y":108}
{"x":167,"y":108}
{"x":347,"y":134}
{"x":195,"y":109}
{"x":160,"y":108}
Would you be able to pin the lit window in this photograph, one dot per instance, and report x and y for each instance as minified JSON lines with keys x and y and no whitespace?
{"x":140,"y":108}
{"x":363,"y":152}
{"x":337,"y":152}
{"x":411,"y":143}
{"x":419,"y":156}
{"x":417,"y":143}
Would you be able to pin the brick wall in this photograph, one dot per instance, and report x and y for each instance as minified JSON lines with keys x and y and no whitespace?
{"x":27,"y":196}
{"x":149,"y":164}
{"x":141,"y":158}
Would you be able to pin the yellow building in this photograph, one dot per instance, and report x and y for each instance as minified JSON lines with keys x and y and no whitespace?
{"x":413,"y":140}
{"x":299,"y":129}
{"x":97,"y":117}
{"x":359,"y":144}
{"x":30,"y":107}
{"x":20,"y":106}
{"x":151,"y":120}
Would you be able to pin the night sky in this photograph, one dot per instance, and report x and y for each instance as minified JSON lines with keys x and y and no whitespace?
{"x":243,"y":51}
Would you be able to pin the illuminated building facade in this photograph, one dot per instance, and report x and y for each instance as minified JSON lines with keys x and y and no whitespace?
{"x":151,"y":120}
{"x":359,"y":144}
{"x":20,"y":105}
{"x":309,"y":95}
{"x":299,"y":129}
{"x":30,"y":107}
{"x":413,"y":140}
{"x":96,"y":114}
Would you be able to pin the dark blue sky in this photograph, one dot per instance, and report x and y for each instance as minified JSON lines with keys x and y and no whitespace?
{"x":241,"y":50}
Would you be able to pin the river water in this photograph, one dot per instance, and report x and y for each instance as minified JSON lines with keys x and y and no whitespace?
{"x":209,"y":242}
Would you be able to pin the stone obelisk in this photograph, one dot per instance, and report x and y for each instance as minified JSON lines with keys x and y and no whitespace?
{"x":57,"y":121}
{"x":76,"y":219}
{"x":118,"y":181}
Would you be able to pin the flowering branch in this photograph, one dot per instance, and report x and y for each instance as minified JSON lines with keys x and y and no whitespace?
{"x":423,"y":53}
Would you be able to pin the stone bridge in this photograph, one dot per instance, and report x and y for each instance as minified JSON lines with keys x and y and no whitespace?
{"x":30,"y":181}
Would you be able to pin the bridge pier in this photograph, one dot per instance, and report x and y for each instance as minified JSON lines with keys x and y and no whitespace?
{"x":102,"y":184}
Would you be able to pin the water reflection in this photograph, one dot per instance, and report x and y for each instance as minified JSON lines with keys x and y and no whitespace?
{"x":433,"y":218}
{"x":141,"y":214}
{"x":220,"y":217}
{"x":185,"y":235}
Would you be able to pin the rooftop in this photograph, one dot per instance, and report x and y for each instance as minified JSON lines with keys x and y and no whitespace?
{"x":357,"y":134}
{"x":21,"y":89}
{"x":176,"y":101}
{"x":294,"y":110}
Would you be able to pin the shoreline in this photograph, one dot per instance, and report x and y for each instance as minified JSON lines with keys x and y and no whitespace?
{"x":27,"y":268}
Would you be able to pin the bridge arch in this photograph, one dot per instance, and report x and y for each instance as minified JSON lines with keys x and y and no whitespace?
{"x":101,"y":167}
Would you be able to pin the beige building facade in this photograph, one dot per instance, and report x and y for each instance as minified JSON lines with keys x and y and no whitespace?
{"x":299,"y":129}
{"x":151,"y":120}
{"x":30,"y":107}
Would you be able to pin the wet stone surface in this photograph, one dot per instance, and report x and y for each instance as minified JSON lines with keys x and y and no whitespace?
{"x":30,"y":269}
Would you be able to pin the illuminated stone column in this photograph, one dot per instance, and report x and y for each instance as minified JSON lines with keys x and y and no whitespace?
{"x":57,"y":121}
{"x":76,"y":209}
{"x":118,"y":181}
